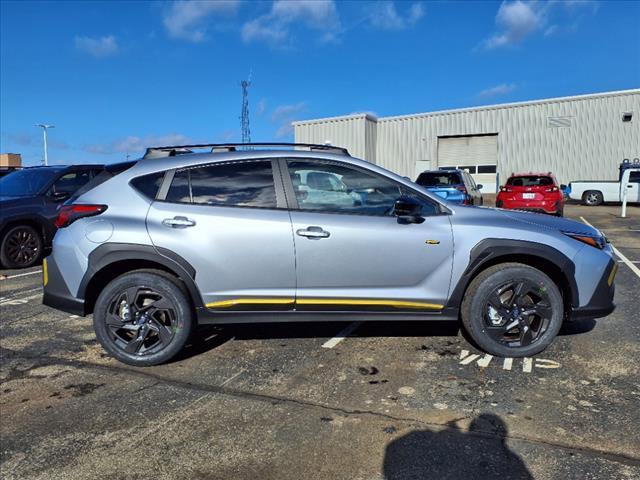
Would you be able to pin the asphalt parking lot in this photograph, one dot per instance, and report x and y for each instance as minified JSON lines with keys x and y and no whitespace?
{"x":379,"y":401}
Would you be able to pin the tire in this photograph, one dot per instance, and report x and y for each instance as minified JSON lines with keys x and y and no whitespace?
{"x":150,"y":329}
{"x":21,"y":247}
{"x":592,"y":198}
{"x":488,"y":326}
{"x":560,"y":212}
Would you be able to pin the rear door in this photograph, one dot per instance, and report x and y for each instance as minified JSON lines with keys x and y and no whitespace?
{"x":230,"y":222}
{"x":356,"y":255}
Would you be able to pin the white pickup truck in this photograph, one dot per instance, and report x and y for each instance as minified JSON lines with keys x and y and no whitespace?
{"x":596,"y":192}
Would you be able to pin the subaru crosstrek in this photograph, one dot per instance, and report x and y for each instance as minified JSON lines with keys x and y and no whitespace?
{"x":270,"y":234}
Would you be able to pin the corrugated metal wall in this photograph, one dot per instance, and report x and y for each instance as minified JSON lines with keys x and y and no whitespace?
{"x":575,"y":137}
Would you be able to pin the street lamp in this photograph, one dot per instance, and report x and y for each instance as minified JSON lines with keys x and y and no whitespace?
{"x":44,"y":127}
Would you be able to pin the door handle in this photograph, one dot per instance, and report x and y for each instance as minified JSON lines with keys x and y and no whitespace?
{"x":178,"y":222}
{"x":313,"y":232}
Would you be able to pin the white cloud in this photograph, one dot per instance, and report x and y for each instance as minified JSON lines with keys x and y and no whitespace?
{"x":185,"y":19}
{"x":274,"y":27}
{"x":284,"y":115}
{"x":98,"y":47}
{"x":385,"y":16}
{"x":498,"y":90}
{"x":519,"y":19}
{"x":133,"y":144}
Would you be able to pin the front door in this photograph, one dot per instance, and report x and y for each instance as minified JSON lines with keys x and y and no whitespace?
{"x":351,"y":252}
{"x":225,"y":220}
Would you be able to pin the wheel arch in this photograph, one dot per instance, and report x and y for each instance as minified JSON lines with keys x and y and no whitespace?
{"x":112,"y":260}
{"x":490,"y":252}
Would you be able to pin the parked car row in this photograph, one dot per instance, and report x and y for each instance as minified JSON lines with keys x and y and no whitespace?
{"x":29,"y":202}
{"x":535,"y":192}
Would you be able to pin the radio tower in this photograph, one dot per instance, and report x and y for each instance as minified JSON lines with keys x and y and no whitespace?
{"x":244,"y":116}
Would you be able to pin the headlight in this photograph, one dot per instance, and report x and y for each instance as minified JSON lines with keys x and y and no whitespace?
{"x":598,"y":241}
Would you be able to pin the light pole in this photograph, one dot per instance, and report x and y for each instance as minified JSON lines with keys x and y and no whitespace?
{"x":44,"y":127}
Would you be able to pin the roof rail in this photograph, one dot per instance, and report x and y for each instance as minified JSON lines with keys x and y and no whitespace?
{"x":173,"y":150}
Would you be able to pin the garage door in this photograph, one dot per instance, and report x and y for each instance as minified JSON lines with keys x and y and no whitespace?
{"x":478,"y":154}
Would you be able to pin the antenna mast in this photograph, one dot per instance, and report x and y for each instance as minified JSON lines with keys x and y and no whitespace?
{"x":244,"y":116}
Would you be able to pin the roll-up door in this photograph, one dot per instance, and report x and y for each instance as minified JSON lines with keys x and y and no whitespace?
{"x":478,"y":154}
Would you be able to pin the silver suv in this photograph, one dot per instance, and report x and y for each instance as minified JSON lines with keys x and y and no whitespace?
{"x":272,"y":233}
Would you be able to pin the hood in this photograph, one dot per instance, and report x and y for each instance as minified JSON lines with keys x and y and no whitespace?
{"x":549,"y":222}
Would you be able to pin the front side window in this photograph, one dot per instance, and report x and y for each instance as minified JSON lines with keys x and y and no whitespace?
{"x":240,"y":184}
{"x":334,"y":188}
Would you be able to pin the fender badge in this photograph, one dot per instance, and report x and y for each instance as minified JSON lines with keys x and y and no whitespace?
{"x":432,"y":242}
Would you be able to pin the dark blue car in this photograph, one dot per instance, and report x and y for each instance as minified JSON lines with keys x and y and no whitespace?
{"x":452,"y":185}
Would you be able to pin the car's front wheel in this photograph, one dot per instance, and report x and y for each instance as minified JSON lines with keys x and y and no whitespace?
{"x":512,"y":310}
{"x":143,"y":318}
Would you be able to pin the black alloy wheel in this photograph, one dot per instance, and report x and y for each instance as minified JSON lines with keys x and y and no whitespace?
{"x":517,"y":313}
{"x":144,"y":317}
{"x":512,"y":310}
{"x":21,"y":247}
{"x":141,"y":321}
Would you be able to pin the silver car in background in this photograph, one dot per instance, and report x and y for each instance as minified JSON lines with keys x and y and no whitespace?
{"x":281,"y":233}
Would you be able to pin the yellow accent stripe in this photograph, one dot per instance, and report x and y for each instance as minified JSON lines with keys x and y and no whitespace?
{"x":251,"y":301}
{"x":45,"y":273}
{"x":365,"y":302}
{"x":323,"y":301}
{"x":612,"y":275}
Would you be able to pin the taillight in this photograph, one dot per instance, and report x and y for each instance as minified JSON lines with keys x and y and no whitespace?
{"x":70,"y":213}
{"x":505,"y":189}
{"x":550,"y":190}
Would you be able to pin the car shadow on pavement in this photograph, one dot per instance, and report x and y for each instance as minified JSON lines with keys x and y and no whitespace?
{"x":209,"y":337}
{"x":480,"y":453}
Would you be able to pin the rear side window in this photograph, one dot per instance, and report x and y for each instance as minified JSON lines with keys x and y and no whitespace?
{"x":530,"y":181}
{"x":439,"y":179}
{"x":240,"y":184}
{"x":148,"y":185}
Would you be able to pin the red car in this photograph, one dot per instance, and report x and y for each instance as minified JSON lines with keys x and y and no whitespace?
{"x":538,"y":192}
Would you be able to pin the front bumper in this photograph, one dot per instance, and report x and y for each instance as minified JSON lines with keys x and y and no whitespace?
{"x":601,"y":302}
{"x":56,"y":293}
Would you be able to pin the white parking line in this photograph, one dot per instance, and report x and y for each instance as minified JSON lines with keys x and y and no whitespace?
{"x":15,"y":297}
{"x":231,"y":378}
{"x":341,"y":336}
{"x":626,"y":261}
{"x":22,"y":275}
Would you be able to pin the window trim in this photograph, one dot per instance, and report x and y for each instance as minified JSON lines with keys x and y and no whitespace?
{"x":170,"y":174}
{"x":292,"y":200}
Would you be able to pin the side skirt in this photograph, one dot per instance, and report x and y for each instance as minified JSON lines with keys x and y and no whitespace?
{"x":208,"y":317}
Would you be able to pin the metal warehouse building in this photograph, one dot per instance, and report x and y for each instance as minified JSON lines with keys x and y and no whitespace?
{"x":581,"y":137}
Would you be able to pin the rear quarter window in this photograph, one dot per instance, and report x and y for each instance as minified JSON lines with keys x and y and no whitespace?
{"x":148,"y":185}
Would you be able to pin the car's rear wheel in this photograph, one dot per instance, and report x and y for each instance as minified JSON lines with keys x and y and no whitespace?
{"x":512,"y":310}
{"x":143,"y":318}
{"x":592,"y":198}
{"x":21,"y":247}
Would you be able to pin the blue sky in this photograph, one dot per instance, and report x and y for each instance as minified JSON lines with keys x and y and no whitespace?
{"x":115,"y":77}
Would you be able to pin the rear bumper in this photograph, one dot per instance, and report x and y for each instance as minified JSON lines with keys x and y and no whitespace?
{"x":542,"y":207}
{"x":601,"y":302}
{"x":56,"y":293}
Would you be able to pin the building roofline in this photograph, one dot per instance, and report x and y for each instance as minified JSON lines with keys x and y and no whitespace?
{"x":353,"y":116}
{"x":473,"y":109}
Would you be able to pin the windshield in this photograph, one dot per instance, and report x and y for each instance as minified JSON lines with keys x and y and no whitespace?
{"x":439,"y":179}
{"x":27,"y":182}
{"x":530,"y":181}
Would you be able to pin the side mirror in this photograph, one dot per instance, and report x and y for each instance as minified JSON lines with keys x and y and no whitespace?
{"x":479,"y":186}
{"x":60,"y":196}
{"x":408,"y":210}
